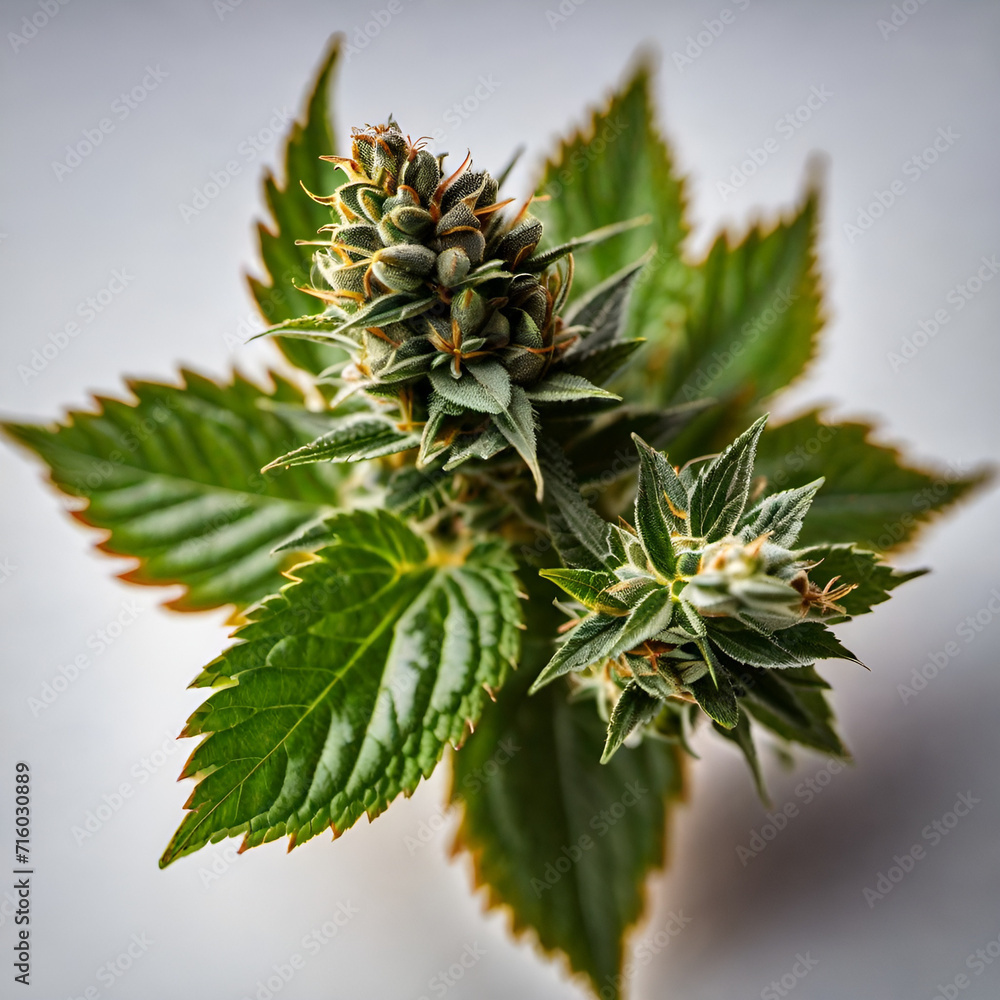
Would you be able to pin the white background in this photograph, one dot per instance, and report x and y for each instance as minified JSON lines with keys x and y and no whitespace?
{"x":226,"y":76}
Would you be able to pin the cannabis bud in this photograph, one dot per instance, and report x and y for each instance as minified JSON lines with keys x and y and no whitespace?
{"x":445,"y":304}
{"x":702,"y":586}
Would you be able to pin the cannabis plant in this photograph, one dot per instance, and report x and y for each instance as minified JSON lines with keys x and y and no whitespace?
{"x":511,"y":489}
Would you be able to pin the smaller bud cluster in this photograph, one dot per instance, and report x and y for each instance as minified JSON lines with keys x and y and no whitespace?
{"x":703,"y":585}
{"x":756,"y":579}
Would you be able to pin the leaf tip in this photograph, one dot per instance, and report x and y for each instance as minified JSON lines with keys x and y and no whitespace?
{"x":611,"y":747}
{"x":537,"y":684}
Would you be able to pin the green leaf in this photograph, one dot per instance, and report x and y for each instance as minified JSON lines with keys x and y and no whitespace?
{"x":657,"y":685}
{"x":532,"y":788}
{"x":617,"y":167}
{"x":416,"y":491}
{"x":602,"y":310}
{"x":741,"y":735}
{"x":542,"y":259}
{"x":483,"y":446}
{"x":661,"y":505}
{"x":318,"y":329}
{"x":345,"y":689}
{"x":517,"y":425}
{"x":564,"y":388}
{"x":871,"y":495}
{"x":793,"y":710}
{"x":309,"y":538}
{"x":749,"y":647}
{"x":633,"y":709}
{"x":295,"y":216}
{"x":780,"y":514}
{"x":602,"y":363}
{"x":332,"y":325}
{"x":650,"y":616}
{"x":797,"y":646}
{"x":604,"y":450}
{"x":483,"y":387}
{"x":717,"y":702}
{"x":588,"y":643}
{"x":581,"y":537}
{"x":357,"y":437}
{"x":376,"y":533}
{"x":720,"y":494}
{"x":845,"y":564}
{"x":586,"y":586}
{"x":708,"y":655}
{"x":753,"y":326}
{"x":432,"y":446}
{"x":812,"y":641}
{"x":175,"y":478}
{"x":687,"y":622}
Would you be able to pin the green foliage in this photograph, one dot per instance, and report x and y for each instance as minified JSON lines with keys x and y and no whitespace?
{"x":634,"y":709}
{"x":615,"y":168}
{"x":873,"y":579}
{"x":563,"y":841}
{"x":736,"y":327}
{"x":705,"y":589}
{"x":354,"y":438}
{"x":871,"y":495}
{"x":741,"y":736}
{"x":175,"y":478}
{"x":792,"y":704}
{"x":718,"y":498}
{"x":471,"y":373}
{"x":344,"y":689}
{"x":752,"y":327}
